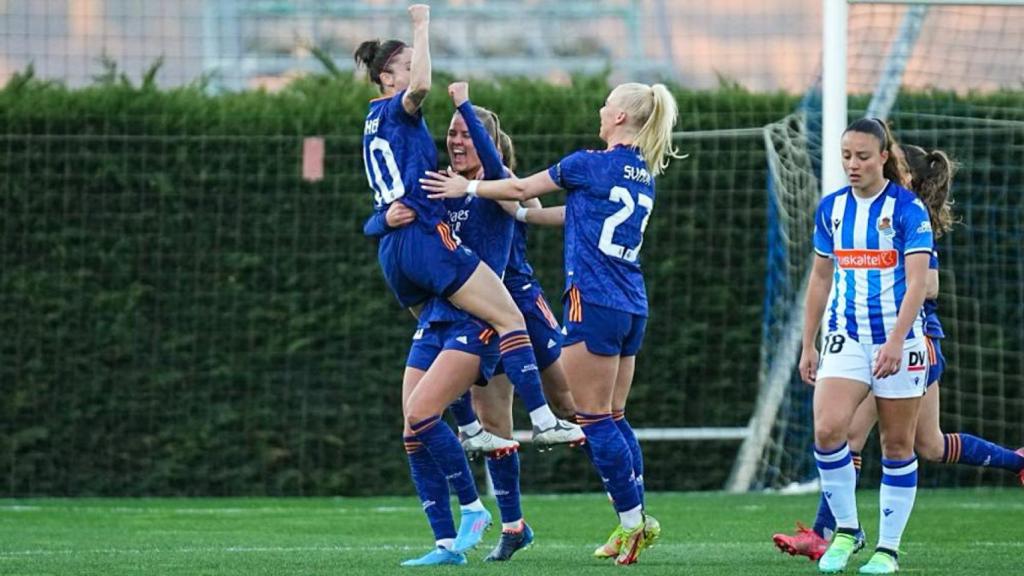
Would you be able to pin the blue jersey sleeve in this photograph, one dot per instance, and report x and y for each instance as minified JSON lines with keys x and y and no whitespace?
{"x":571,"y":172}
{"x":916,"y":228}
{"x":485,"y":148}
{"x":377,"y":225}
{"x":823,"y":241}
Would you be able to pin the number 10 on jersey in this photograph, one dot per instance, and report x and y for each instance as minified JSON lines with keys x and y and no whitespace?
{"x":383,"y":192}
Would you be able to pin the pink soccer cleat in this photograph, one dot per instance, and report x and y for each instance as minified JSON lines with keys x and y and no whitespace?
{"x":805,"y":542}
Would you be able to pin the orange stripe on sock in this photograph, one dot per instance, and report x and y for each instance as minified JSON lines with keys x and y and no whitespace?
{"x":514,"y":343}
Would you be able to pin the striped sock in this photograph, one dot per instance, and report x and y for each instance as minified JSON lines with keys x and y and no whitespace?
{"x":967,"y":449}
{"x":431,"y":487}
{"x":444,"y":447}
{"x":521,"y":368}
{"x":896,"y":500}
{"x":825,"y":522}
{"x":838,"y":484}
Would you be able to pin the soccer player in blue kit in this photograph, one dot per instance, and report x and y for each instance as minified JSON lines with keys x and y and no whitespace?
{"x":426,"y":259}
{"x":930,"y":177}
{"x":609,"y":201}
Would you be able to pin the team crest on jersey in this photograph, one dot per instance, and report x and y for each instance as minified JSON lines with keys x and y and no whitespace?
{"x":885,"y":227}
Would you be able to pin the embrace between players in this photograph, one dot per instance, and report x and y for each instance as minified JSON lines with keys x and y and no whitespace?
{"x":452,"y":249}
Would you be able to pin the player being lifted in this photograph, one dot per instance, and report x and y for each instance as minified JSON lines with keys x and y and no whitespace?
{"x":930,"y":176}
{"x":610,"y":199}
{"x":425,"y":260}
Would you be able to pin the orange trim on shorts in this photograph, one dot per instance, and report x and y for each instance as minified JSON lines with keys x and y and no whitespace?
{"x":446,"y":236}
{"x":575,"y":305}
{"x":933,"y":358}
{"x":486,"y":335}
{"x":546,"y":311}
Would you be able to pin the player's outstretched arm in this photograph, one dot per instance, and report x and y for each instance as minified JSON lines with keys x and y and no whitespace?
{"x":420,"y":73}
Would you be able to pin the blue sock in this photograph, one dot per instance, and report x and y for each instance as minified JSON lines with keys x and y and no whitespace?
{"x":619,"y":416}
{"x":975,"y":451}
{"x":612,"y":459}
{"x":825,"y":522}
{"x":521,"y":368}
{"x":462,"y":409}
{"x":444,"y":447}
{"x":505,"y":476}
{"x":431,"y":487}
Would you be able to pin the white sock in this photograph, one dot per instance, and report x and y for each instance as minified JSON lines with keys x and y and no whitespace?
{"x":896,"y":500}
{"x":543,"y":418}
{"x":512,"y":526}
{"x":631,"y":518}
{"x":446,"y":543}
{"x":474,"y":506}
{"x":471,"y":428}
{"x":839,"y":484}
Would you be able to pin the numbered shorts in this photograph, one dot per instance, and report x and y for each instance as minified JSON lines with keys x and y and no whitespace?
{"x":844,"y":357}
{"x":542,"y":326}
{"x":467,"y":336}
{"x":936,"y":361}
{"x":605,"y":331}
{"x":421,"y":262}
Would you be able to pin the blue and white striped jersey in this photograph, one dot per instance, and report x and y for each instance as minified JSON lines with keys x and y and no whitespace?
{"x":868,"y":240}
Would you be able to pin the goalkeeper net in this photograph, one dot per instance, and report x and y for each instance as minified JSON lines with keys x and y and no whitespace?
{"x":947,"y":77}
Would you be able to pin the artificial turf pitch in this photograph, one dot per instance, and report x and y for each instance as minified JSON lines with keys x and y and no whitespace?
{"x":955,"y":532}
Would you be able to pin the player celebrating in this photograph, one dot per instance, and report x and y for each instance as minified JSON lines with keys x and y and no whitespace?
{"x":930,"y":176}
{"x":610,"y":198}
{"x":873,"y":240}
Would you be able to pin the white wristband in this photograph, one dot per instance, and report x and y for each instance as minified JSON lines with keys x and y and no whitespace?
{"x":521,"y":214}
{"x":471,"y":189}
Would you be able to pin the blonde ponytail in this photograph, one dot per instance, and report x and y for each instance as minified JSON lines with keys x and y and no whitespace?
{"x":656,"y":111}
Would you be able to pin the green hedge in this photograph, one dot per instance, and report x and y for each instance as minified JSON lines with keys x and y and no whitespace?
{"x":183,"y":315}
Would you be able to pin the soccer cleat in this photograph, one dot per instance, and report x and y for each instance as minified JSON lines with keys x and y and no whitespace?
{"x":1020,"y":451}
{"x":838,"y":553}
{"x":438,"y":557}
{"x":805,"y":542}
{"x":484,"y":441}
{"x":652,"y":528}
{"x":471,"y":529}
{"x":510,"y":543}
{"x":633,"y":543}
{"x":610,"y":549}
{"x":563,"y":432}
{"x":880,"y":563}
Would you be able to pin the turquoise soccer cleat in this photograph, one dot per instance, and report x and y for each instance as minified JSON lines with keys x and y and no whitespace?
{"x":438,"y":557}
{"x":880,"y":563}
{"x":471,"y":529}
{"x":838,"y":554}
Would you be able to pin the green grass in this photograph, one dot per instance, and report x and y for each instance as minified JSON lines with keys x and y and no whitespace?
{"x":957,"y":532}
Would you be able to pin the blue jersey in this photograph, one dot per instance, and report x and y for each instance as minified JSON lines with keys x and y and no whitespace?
{"x":518,"y":273}
{"x":610,"y":198}
{"x":868,"y":240}
{"x":397,"y":150}
{"x":482,"y":224}
{"x":932,"y":326}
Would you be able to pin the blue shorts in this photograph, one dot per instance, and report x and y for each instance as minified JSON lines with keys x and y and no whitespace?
{"x":542,"y":326}
{"x":936,"y":361}
{"x":606,"y":331}
{"x":421,"y":262}
{"x":468,"y":336}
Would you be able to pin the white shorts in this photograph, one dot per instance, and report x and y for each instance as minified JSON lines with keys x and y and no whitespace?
{"x":844,"y":357}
